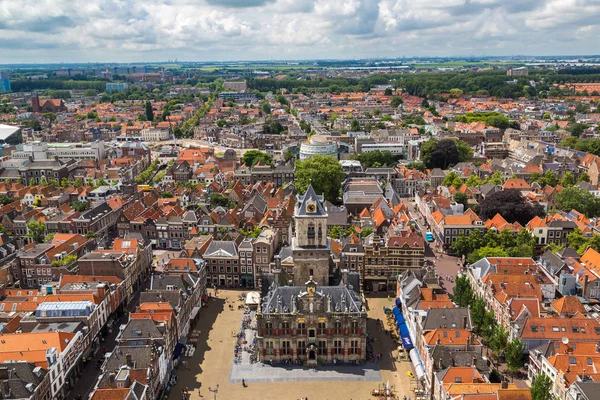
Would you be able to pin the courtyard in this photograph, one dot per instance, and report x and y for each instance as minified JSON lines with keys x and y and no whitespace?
{"x":212,"y":364}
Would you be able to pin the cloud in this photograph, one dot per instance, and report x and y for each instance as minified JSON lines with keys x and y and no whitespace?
{"x":239,"y":3}
{"x":131,"y":30}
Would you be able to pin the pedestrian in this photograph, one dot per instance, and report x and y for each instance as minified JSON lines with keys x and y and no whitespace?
{"x":243,"y":383}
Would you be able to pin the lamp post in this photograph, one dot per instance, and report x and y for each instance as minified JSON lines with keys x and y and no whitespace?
{"x":215,"y":390}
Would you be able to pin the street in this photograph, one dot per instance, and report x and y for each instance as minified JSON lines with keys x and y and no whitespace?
{"x":91,"y":369}
{"x":445,"y":265}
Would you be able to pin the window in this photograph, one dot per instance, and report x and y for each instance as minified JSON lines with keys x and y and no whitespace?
{"x":354,"y":349}
{"x":268,"y":327}
{"x":286,"y":328}
{"x":269,"y":348}
{"x":355,"y":328}
{"x":310,"y":231}
{"x":301,"y":348}
{"x":338,"y":328}
{"x":321,"y":328}
{"x":337,"y":347}
{"x":555,"y":329}
{"x":301,"y":328}
{"x":285,"y":348}
{"x":322,"y":348}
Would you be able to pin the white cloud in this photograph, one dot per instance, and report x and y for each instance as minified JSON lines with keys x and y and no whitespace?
{"x":129,"y":30}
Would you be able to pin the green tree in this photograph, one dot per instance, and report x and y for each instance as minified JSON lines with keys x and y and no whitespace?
{"x":541,"y":388}
{"x":584,"y":177}
{"x":36,"y":230}
{"x":91,"y":235}
{"x":567,"y":179}
{"x":473,"y":181}
{"x":149,"y":111}
{"x":499,"y":339}
{"x":265,"y":107}
{"x":354,"y":126}
{"x":486,"y":252}
{"x":461,"y":198}
{"x":37,"y":202}
{"x":365,"y":232}
{"x":324,"y":173}
{"x":396,"y":101}
{"x":514,"y":356}
{"x":43,"y":181}
{"x":478,"y":314}
{"x":79,"y":206}
{"x":580,"y":200}
{"x":463,"y":293}
{"x":253,"y":157}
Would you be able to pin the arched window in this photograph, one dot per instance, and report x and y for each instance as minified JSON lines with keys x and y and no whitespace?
{"x":320,"y":232}
{"x":311,"y":231}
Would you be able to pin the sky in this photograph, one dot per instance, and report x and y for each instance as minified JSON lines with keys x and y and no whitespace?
{"x":44,"y":31}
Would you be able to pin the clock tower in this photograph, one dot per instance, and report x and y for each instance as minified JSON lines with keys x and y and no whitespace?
{"x":310,"y":244}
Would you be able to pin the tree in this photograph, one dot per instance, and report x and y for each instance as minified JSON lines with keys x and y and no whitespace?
{"x":484,"y":252}
{"x":367,"y":231}
{"x":461,"y":198}
{"x":149,"y":111}
{"x":541,"y":388}
{"x":37,"y":202}
{"x":577,"y":129}
{"x":253,"y":157}
{"x":376,"y":158}
{"x":511,"y":205}
{"x":3,"y":230}
{"x":579,"y":199}
{"x":584,"y":177}
{"x":91,"y":235}
{"x":64,"y":182}
{"x":478,"y":314}
{"x":439,"y":154}
{"x":567,"y":179}
{"x":388,"y":92}
{"x":463,"y":293}
{"x":354,"y":125}
{"x":6,"y":199}
{"x":499,"y":339}
{"x":324,"y":173}
{"x":514,"y":356}
{"x":396,"y":101}
{"x":36,"y":230}
{"x":43,"y":181}
{"x":217,"y":199}
{"x":79,"y":206}
{"x":265,"y":107}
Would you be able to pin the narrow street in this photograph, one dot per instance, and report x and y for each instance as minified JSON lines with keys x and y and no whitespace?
{"x":445,"y":265}
{"x":91,"y":369}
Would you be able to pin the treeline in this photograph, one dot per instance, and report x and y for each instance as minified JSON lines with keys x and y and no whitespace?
{"x":26,"y":85}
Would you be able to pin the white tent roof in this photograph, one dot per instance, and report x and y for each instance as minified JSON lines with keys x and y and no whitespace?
{"x":7,"y":130}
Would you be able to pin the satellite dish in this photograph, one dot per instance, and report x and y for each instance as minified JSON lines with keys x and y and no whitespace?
{"x":565,"y":340}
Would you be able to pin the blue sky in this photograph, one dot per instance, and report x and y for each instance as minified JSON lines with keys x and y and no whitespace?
{"x":205,"y":30}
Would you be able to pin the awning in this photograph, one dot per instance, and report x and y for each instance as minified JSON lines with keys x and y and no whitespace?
{"x":416,"y":360}
{"x":195,"y":311}
{"x":406,"y":342}
{"x":253,"y":299}
{"x":400,"y":318}
{"x":398,"y":302}
{"x":403,"y":329}
{"x":178,"y":349}
{"x":396,"y":311}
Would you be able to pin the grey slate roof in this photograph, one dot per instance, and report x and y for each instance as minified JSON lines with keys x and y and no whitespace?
{"x":437,"y":318}
{"x":138,"y":329}
{"x":19,"y":375}
{"x":284,"y":299}
{"x":140,"y":356}
{"x":444,"y":357}
{"x":221,"y":248}
{"x":310,"y":195}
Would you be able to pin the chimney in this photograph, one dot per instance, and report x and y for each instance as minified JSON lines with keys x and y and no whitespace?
{"x":504,"y":384}
{"x":464,"y":322}
{"x":128,"y":360}
{"x":345,"y":277}
{"x":440,"y":363}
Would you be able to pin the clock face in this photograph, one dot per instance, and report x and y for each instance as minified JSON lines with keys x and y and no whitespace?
{"x":311,"y":207}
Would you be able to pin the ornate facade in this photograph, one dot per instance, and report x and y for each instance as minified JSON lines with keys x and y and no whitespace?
{"x":312,"y":324}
